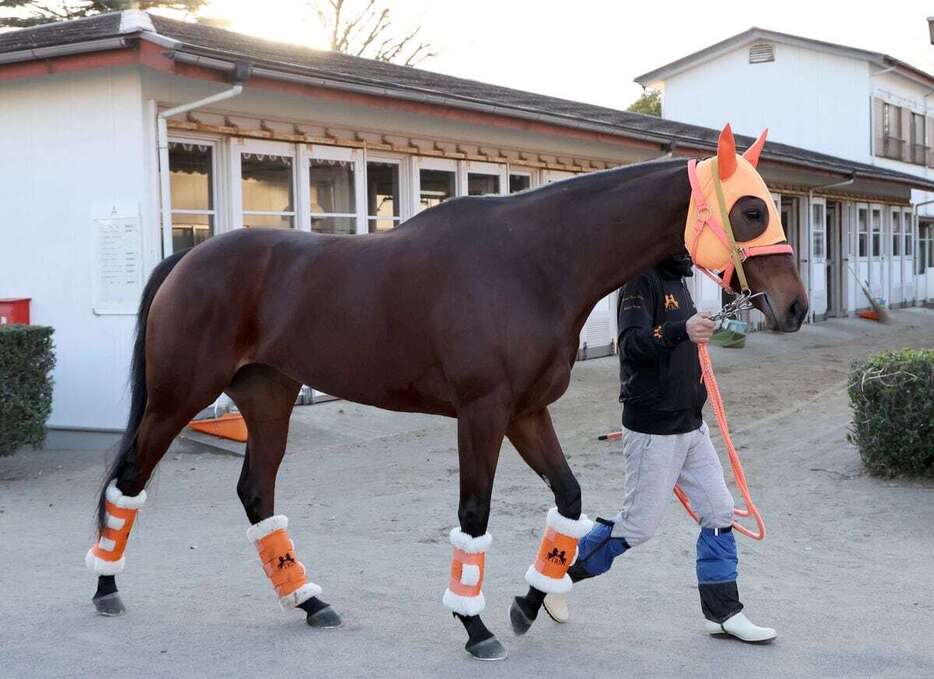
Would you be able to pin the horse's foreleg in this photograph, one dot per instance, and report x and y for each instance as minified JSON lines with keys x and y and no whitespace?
{"x":535,"y":439}
{"x":481,"y":426}
{"x":265,"y":397}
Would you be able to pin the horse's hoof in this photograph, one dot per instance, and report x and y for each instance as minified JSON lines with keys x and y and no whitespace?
{"x":326,"y":618}
{"x":109,"y":605}
{"x":488,"y":649}
{"x":519,"y":621}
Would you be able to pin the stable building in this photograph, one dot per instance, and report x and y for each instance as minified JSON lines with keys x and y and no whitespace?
{"x":127,"y":136}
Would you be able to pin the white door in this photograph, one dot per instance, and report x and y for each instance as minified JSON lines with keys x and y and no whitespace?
{"x":908,"y":242}
{"x":549,"y":176}
{"x":332,"y":189}
{"x":597,"y":335}
{"x":861,"y":260}
{"x":485,"y":179}
{"x":896,"y":242}
{"x":818,"y":257}
{"x":878,"y":280}
{"x":435,"y":180}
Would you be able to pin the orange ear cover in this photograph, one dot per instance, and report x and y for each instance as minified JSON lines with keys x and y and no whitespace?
{"x":752,"y":153}
{"x":726,"y":153}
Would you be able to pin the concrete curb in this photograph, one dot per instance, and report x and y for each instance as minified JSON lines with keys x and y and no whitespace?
{"x":193,"y":442}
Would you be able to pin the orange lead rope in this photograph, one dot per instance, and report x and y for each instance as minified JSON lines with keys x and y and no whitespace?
{"x":716,"y":402}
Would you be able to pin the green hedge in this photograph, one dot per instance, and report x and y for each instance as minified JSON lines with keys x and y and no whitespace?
{"x":26,"y":359}
{"x":892,"y":395}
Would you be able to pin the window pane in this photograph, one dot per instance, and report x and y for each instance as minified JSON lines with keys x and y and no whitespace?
{"x":896,"y":234}
{"x":191,"y":176}
{"x":378,"y":224}
{"x":268,"y":221}
{"x":482,"y":184}
{"x":382,"y":187}
{"x":436,"y":187}
{"x":519,"y":182}
{"x":876,"y":233}
{"x":334,"y":224}
{"x":267,"y":183}
{"x":332,"y":186}
{"x":862,"y":230}
{"x":189,"y":230}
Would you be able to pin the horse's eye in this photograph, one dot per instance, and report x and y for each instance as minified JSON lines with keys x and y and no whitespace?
{"x":752,"y":215}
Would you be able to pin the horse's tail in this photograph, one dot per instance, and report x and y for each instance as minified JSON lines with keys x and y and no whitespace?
{"x":126,"y":451}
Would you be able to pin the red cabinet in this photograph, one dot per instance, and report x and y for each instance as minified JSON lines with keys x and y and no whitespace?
{"x":14,"y":310}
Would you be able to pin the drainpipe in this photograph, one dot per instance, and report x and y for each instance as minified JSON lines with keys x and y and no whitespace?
{"x":240,"y":75}
{"x":845,"y":182}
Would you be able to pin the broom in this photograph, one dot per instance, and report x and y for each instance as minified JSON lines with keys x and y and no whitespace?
{"x":878,"y":313}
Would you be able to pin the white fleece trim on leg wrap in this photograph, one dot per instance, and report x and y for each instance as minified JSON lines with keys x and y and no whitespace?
{"x":465,"y":605}
{"x":573,"y":528}
{"x":469,"y":544}
{"x":548,"y":585}
{"x":260,"y":530}
{"x":299,"y":596}
{"x":101,"y":567}
{"x":114,"y":496}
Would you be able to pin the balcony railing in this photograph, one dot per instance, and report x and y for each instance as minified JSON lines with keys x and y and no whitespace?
{"x":919,"y":154}
{"x":890,"y":147}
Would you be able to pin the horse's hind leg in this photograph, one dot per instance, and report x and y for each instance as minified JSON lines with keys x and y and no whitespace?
{"x":535,"y":439}
{"x":480,"y":429}
{"x":124,"y":495}
{"x":265,"y":397}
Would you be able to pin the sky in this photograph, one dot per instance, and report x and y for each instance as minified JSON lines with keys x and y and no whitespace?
{"x":590,"y":50}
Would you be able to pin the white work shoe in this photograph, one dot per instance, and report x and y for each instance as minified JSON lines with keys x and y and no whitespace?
{"x":556,"y":606}
{"x":739,"y":626}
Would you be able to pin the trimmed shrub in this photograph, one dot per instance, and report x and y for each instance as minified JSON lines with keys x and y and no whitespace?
{"x":892,"y":395}
{"x":26,"y":359}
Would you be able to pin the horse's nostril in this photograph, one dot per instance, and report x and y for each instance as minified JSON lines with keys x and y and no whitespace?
{"x":797,"y":309}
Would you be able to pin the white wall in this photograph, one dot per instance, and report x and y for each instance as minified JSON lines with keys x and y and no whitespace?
{"x":72,"y":146}
{"x":810,"y":99}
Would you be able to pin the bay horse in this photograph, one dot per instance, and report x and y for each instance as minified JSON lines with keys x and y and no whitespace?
{"x":471,"y":309}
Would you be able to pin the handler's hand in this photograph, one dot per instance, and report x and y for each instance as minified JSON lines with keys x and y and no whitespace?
{"x":700,"y":328}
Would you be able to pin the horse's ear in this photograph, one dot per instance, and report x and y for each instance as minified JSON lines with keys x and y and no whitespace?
{"x":752,"y":153}
{"x":726,"y":153}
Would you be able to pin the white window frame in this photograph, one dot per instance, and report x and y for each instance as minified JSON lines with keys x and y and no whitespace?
{"x":529,"y":172}
{"x":218,"y":184}
{"x":241,"y":145}
{"x":864,"y":207}
{"x":819,"y":229}
{"x":405,"y":201}
{"x":876,"y":209}
{"x":909,"y":226}
{"x":896,"y":242}
{"x":309,"y":152}
{"x":499,"y":170}
{"x":420,"y":163}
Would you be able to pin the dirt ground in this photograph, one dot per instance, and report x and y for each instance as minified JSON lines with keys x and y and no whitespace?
{"x":845,"y":574}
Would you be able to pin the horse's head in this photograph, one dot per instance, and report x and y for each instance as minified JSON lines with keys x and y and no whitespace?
{"x":753,"y":254}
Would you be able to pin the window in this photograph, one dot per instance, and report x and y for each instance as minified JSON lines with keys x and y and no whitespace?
{"x":918,"y":140}
{"x":896,"y":233}
{"x":818,"y":231}
{"x":909,"y":229}
{"x":191,"y":176}
{"x":383,"y":199}
{"x":482,"y":184}
{"x":519,"y":182}
{"x":267,"y":186}
{"x":891,"y":131}
{"x":761,"y":52}
{"x":925,"y":246}
{"x":862,"y":232}
{"x":332,"y":189}
{"x":436,"y":186}
{"x":876,"y":232}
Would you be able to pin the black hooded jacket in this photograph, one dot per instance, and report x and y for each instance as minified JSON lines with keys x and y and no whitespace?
{"x":659,"y":372}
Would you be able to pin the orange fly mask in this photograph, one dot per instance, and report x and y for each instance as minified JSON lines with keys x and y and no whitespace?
{"x":716,"y":185}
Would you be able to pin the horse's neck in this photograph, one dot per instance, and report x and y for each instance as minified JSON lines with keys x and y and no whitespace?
{"x":603,"y":235}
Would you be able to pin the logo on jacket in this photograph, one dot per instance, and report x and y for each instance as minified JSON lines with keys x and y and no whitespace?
{"x":657,"y":332}
{"x":671,"y":303}
{"x":286,"y":561}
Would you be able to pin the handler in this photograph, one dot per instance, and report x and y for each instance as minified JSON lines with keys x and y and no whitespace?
{"x":665,"y":441}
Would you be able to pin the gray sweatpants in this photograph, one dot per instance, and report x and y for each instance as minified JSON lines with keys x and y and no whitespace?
{"x":653,"y":465}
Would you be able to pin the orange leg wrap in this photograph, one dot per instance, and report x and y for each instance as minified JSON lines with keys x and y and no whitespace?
{"x":106,"y":556}
{"x":557,"y":552}
{"x":464,"y":594}
{"x":277,"y":554}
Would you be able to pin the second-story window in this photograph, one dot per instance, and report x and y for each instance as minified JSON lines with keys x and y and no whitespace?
{"x":918,"y":139}
{"x":891,"y":131}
